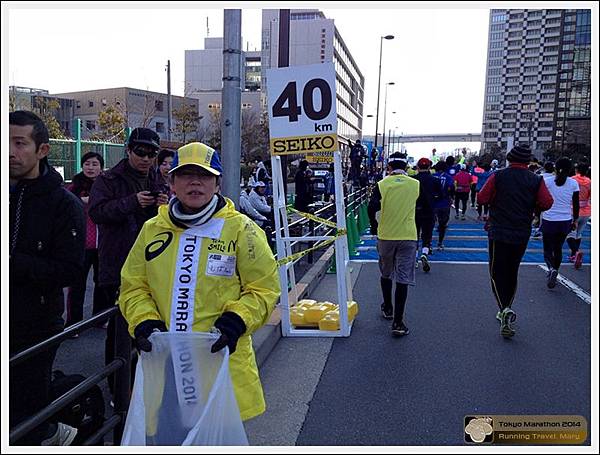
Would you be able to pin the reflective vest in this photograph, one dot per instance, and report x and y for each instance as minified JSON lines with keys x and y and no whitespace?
{"x":399,"y":195}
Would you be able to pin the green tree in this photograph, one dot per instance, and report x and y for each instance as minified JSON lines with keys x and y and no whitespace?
{"x":186,"y":121}
{"x":46,"y":109}
{"x":112,"y":123}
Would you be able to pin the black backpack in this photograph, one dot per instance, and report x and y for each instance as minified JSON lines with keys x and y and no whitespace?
{"x":86,"y":413}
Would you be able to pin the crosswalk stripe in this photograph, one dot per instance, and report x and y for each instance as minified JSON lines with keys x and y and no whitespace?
{"x":571,"y":286}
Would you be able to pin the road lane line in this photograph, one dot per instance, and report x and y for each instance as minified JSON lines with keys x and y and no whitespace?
{"x":571,"y":286}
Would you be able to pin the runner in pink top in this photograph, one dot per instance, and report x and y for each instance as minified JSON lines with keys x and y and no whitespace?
{"x":462,"y":181}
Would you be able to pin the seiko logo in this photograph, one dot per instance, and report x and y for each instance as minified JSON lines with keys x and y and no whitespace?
{"x":154,"y":249}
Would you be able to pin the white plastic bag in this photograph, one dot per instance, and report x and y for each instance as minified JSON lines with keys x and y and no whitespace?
{"x":183,"y":395}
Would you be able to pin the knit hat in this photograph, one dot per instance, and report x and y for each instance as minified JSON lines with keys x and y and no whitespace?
{"x":424,"y":163}
{"x":519,"y":154}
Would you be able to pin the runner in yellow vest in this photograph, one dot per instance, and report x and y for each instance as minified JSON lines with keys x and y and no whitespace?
{"x":395,"y":197}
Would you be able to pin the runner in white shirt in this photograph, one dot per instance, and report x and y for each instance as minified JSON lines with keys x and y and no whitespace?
{"x":561,"y":218}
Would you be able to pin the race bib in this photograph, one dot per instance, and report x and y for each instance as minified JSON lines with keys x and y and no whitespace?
{"x":220,"y":265}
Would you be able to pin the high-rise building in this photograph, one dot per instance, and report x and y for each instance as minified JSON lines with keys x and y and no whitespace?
{"x":537,"y":78}
{"x":315,"y":39}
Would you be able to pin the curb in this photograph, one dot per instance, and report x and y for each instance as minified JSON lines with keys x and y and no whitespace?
{"x":266,"y":338}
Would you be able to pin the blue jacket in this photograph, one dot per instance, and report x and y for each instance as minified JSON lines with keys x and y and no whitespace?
{"x":443,"y":201}
{"x":482,"y":178}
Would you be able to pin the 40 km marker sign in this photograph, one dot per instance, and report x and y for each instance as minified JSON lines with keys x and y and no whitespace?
{"x":302,"y":109}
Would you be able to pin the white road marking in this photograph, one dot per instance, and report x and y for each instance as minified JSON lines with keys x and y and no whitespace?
{"x":571,"y":286}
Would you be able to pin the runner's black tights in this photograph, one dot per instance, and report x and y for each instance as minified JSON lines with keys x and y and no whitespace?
{"x":553,"y":244}
{"x":400,"y":296}
{"x":400,"y":302}
{"x":504,"y":262}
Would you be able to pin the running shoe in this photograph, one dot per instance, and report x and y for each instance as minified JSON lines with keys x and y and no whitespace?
{"x":499,"y":316}
{"x":508,"y":318}
{"x":399,"y":329}
{"x":416,"y":264}
{"x":440,"y":247}
{"x":552,"y":278}
{"x":387,"y":313}
{"x":463,"y":217}
{"x":64,"y":436}
{"x":578,"y":260}
{"x":456,"y":216}
{"x":425,"y":262}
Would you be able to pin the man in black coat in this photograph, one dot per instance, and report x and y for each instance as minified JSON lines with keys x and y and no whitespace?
{"x":47,"y":235}
{"x":121,"y":201}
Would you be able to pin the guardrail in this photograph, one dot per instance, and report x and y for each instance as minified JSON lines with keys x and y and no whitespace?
{"x":354,"y":202}
{"x":121,"y":365}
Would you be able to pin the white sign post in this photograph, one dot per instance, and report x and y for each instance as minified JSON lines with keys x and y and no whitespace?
{"x":303,"y":120}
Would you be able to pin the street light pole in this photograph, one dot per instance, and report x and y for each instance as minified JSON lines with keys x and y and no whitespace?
{"x":384,"y":117}
{"x":388,"y":37}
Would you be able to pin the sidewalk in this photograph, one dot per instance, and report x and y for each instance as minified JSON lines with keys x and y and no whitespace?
{"x":315,"y":284}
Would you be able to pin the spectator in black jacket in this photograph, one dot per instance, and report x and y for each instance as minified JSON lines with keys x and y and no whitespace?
{"x":303,"y":183}
{"x":47,"y":233}
{"x":121,"y":201}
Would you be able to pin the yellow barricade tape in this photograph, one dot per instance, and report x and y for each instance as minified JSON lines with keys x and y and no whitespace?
{"x":339,"y":233}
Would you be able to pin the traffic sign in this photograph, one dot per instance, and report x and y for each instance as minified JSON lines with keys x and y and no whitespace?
{"x":302,"y":109}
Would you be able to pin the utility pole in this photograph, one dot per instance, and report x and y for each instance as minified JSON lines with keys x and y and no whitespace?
{"x":283,"y":60}
{"x":169,"y":105}
{"x":232,"y":103}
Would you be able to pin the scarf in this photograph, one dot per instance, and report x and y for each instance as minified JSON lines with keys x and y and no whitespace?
{"x":194,"y":219}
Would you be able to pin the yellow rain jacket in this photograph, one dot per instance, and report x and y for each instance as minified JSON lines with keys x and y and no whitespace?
{"x":235,"y":272}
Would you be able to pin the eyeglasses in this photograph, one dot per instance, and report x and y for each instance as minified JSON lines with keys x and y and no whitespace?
{"x":142,"y":152}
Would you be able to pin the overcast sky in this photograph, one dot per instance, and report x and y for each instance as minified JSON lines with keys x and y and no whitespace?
{"x":437,"y":59}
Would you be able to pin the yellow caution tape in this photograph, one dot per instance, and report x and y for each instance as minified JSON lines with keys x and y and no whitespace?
{"x":310,"y":216}
{"x":339,"y":233}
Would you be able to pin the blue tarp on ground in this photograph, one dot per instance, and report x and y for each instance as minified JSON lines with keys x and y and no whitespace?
{"x":534,"y":244}
{"x":476,"y":230}
{"x":463,"y":257}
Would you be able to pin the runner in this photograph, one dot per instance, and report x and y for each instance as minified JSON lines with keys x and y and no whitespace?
{"x":514,"y":194}
{"x":441,"y":205}
{"x":395,"y":196}
{"x":561,"y":218}
{"x":462,"y":181}
{"x":585,"y":212}
{"x":429,"y":187}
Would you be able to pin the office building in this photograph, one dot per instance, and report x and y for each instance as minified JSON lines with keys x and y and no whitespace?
{"x":315,"y":39}
{"x":141,"y":108}
{"x":36,"y":100}
{"x":537,"y":78}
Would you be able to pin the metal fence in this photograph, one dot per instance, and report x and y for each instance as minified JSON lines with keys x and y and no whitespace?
{"x":65,"y":154}
{"x":123,"y":351}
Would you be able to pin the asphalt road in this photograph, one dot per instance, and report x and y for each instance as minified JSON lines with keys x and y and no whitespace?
{"x":373,"y":389}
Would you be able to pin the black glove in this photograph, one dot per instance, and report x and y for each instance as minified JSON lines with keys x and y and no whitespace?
{"x":232,"y":327}
{"x":143,"y":331}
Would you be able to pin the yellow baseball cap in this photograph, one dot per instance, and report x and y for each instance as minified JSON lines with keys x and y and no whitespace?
{"x":197,"y":154}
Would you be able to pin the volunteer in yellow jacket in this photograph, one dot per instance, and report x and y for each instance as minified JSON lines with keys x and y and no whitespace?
{"x":200,"y":263}
{"x":395,"y":197}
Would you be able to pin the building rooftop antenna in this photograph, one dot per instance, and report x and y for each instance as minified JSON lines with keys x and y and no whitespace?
{"x":207,"y":29}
